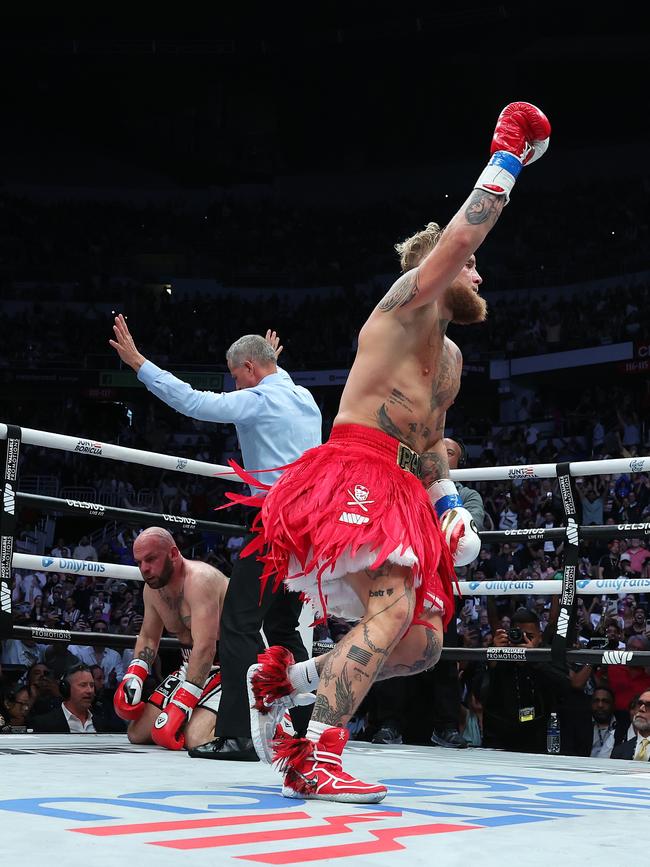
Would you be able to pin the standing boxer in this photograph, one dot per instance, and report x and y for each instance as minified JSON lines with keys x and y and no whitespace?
{"x":186,"y":598}
{"x":354,"y":524}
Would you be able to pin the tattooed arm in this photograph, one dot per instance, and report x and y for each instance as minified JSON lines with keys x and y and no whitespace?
{"x":151,"y":630}
{"x":459,"y":241}
{"x":435,"y":464}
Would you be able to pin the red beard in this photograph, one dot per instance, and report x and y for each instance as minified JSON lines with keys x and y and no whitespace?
{"x":466,"y":305}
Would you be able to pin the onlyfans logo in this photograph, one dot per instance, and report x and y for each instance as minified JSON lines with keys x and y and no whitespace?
{"x":9,"y":499}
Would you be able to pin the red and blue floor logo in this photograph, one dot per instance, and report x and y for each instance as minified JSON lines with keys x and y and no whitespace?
{"x":254,"y":823}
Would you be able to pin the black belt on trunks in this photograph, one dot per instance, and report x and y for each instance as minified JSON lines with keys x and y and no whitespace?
{"x":408,"y":460}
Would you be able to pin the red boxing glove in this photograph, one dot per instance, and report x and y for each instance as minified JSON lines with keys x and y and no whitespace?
{"x":522,"y":130}
{"x":521,"y":136}
{"x":167,"y":729}
{"x":127,"y":699}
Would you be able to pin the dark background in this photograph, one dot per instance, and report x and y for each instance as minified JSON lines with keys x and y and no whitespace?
{"x":246,"y":95}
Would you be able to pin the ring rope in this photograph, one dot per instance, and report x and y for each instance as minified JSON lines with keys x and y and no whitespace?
{"x":571,"y":534}
{"x":84,"y":445}
{"x":94,"y":448}
{"x":588,"y":587}
{"x":596,"y":656}
{"x":132,"y":516}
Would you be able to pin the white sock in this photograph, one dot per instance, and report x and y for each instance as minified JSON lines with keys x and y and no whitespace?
{"x":315,"y":730}
{"x":303,"y":676}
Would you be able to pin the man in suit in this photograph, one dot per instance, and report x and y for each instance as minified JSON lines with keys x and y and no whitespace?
{"x":77,"y":689}
{"x":637,"y":748}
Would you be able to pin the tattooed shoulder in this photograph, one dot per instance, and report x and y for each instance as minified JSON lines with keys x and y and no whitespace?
{"x":401,"y":292}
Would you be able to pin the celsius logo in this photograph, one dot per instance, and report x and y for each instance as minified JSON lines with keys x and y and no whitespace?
{"x":9,"y":499}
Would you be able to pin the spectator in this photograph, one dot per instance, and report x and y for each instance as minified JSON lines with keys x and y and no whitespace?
{"x":626,"y":681}
{"x":84,"y":550}
{"x":61,"y":550}
{"x":73,"y":713}
{"x":638,"y":747}
{"x":26,"y":652}
{"x":16,"y":708}
{"x":97,"y":654}
{"x":517,"y":698}
{"x":638,"y":556}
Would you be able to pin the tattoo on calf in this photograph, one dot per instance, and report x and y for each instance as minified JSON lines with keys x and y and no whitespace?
{"x":346,"y":703}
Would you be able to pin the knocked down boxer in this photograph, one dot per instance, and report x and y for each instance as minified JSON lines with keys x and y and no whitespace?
{"x":185,"y":597}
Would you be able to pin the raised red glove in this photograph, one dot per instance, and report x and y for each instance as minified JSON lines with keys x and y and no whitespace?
{"x":167,"y":728}
{"x":127,"y":699}
{"x":521,"y":136}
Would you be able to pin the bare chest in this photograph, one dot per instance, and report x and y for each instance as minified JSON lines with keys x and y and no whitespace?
{"x":176,"y":615}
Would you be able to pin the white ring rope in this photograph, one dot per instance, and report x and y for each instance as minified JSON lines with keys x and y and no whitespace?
{"x":89,"y":446}
{"x":614,"y":466}
{"x":37,"y":563}
{"x":85,"y":445}
{"x":588,"y":587}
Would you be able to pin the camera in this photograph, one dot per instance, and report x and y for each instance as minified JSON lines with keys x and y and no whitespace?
{"x":515,"y":635}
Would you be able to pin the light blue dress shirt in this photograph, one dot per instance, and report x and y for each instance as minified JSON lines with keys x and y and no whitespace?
{"x":276,"y":420}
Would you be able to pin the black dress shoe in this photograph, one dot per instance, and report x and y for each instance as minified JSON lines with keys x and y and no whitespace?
{"x":450,"y":738}
{"x":229,"y":749}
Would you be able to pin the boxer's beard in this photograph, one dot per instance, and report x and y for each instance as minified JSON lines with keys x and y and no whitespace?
{"x":466,"y":305}
{"x":165,"y":575}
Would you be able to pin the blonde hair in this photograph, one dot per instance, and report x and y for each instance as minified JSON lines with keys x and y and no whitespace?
{"x":413,"y":250}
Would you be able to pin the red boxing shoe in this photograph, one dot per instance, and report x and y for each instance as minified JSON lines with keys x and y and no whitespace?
{"x":314,"y":770}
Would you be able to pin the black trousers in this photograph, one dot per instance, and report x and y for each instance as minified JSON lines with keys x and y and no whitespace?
{"x":240,"y":642}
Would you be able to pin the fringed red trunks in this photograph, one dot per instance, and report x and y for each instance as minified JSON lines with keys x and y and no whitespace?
{"x":351,"y":504}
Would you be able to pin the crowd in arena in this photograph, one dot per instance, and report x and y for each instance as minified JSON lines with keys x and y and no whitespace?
{"x":351,"y":253}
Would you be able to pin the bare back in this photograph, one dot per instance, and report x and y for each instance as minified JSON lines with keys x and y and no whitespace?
{"x":203,"y":587}
{"x":406,"y":374}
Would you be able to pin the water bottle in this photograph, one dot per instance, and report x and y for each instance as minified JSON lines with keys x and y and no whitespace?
{"x":553,"y":735}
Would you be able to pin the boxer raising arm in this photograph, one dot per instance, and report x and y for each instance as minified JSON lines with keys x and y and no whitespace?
{"x":185,"y":597}
{"x":350,"y":523}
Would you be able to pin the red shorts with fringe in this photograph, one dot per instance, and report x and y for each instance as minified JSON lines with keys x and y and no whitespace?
{"x":353,"y":503}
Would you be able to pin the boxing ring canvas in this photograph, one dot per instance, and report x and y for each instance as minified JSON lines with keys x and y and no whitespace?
{"x":80,"y":799}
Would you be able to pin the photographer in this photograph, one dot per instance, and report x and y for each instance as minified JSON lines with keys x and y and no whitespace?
{"x":518,"y":697}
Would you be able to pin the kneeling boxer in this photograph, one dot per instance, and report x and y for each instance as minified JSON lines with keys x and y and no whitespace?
{"x":185,"y":597}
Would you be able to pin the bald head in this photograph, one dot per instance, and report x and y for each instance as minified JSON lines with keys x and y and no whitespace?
{"x":156,"y":554}
{"x":163,"y":537}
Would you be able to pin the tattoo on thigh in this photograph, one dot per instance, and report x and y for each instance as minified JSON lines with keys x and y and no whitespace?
{"x":376,"y":593}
